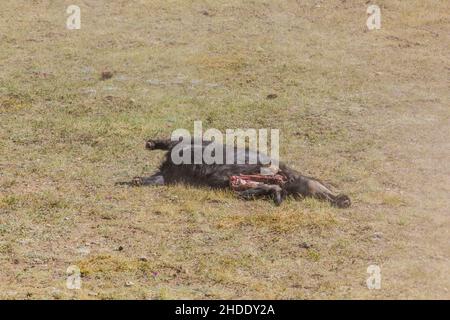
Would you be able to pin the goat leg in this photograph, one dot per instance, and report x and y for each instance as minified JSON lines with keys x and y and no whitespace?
{"x":272,"y":190}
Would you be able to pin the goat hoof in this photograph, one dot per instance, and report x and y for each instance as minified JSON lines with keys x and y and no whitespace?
{"x":278,"y":198}
{"x":137,"y":181}
{"x":343,"y":201}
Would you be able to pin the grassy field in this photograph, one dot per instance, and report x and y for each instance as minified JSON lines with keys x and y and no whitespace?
{"x":368,"y":111}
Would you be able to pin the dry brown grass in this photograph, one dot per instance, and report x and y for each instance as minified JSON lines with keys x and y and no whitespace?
{"x":367,"y":111}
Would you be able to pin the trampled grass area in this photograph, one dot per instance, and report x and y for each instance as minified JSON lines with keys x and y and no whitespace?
{"x":367,"y":111}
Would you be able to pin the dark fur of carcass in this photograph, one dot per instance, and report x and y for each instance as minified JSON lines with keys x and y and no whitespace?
{"x":221,"y":176}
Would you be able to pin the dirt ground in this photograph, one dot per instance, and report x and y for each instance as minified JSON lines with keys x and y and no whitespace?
{"x":367,"y":111}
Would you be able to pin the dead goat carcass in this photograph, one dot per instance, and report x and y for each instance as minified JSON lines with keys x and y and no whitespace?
{"x":245,"y":179}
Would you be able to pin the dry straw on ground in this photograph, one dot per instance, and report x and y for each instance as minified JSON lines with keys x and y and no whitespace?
{"x":366,"y":110}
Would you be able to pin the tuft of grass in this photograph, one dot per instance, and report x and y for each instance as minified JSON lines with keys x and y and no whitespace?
{"x":349,"y":103}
